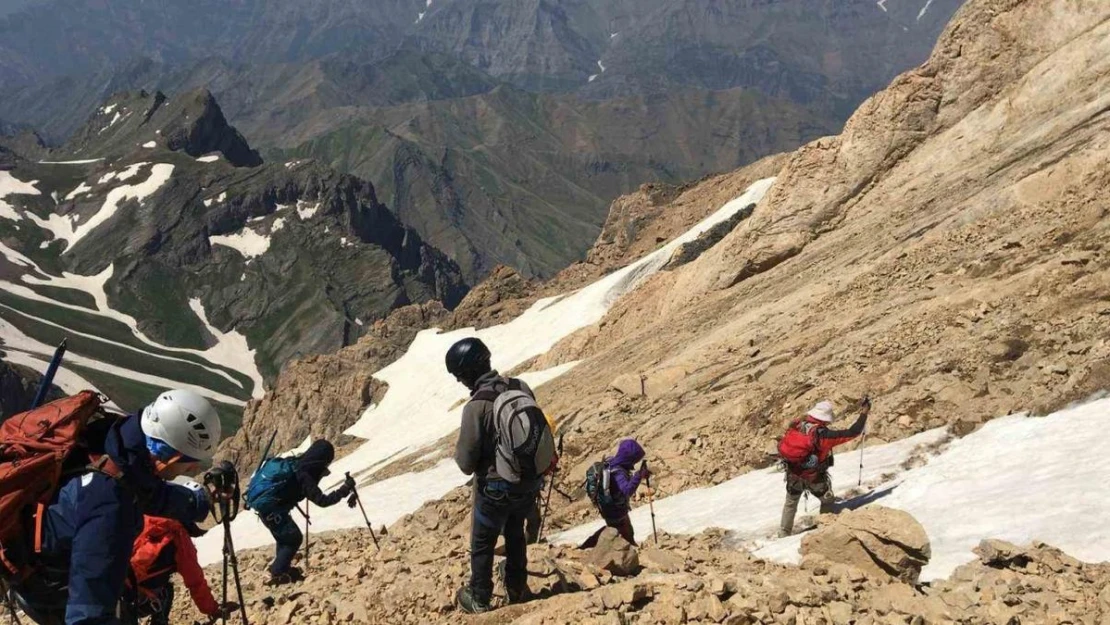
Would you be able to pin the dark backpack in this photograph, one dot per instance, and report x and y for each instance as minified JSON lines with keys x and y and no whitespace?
{"x":272,"y":486}
{"x":525,"y":449}
{"x":598,"y":481}
{"x":38,"y":448}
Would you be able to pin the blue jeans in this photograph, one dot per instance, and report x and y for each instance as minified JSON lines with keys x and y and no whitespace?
{"x":288,"y":538}
{"x":497,"y":511}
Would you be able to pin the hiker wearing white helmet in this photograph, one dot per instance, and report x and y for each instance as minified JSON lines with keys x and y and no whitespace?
{"x":807,"y":451}
{"x":88,"y":528}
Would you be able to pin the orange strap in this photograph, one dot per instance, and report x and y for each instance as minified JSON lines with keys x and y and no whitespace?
{"x":40,"y":514}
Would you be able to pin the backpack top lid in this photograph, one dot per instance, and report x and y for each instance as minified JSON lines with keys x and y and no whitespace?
{"x":525,"y":447}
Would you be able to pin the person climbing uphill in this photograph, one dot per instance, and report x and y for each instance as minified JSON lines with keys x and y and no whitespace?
{"x":276,"y":489}
{"x":807,"y":450}
{"x":611,"y":485}
{"x":506,"y":444}
{"x":89,"y":527}
{"x":165,"y":547}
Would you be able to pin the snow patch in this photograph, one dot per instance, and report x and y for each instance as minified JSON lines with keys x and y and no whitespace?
{"x":10,"y":185}
{"x":305,"y":210}
{"x":64,"y":227}
{"x":81,"y":189}
{"x":613,"y":35}
{"x":211,"y":158}
{"x":592,"y":78}
{"x":600,"y":65}
{"x":150,"y":144}
{"x":231,"y":349}
{"x":246,"y":241}
{"x":15,"y":257}
{"x":82,"y":162}
{"x":882,"y":5}
{"x":219,"y":199}
{"x":122,"y":176}
{"x":107,"y":110}
{"x":419,"y":17}
{"x":115,"y":119}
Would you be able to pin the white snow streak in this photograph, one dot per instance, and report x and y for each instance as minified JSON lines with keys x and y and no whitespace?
{"x":424,"y":403}
{"x":83,"y":162}
{"x":246,"y":241}
{"x":925,"y":8}
{"x":107,"y":110}
{"x":211,"y":158}
{"x":231,"y":349}
{"x":600,"y":65}
{"x":81,"y":189}
{"x":64,"y":227}
{"x":882,"y":5}
{"x":419,"y":17}
{"x":10,"y":185}
{"x":150,"y":144}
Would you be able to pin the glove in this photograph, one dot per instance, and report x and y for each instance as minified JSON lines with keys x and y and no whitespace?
{"x":349,"y":482}
{"x":352,"y":501}
{"x":224,"y":611}
{"x":865,"y":405}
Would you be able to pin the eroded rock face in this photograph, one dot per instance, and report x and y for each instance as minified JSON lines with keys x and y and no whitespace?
{"x":876,"y":540}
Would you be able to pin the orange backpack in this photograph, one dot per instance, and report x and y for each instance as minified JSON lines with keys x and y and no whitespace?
{"x":36,"y":449}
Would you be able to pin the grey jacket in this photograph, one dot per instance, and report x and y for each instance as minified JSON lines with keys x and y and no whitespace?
{"x":474,"y":452}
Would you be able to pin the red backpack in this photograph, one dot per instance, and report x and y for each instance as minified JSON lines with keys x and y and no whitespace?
{"x":800,"y":442}
{"x":37,"y":448}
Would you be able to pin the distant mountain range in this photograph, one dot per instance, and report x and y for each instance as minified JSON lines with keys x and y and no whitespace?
{"x":498,"y":129}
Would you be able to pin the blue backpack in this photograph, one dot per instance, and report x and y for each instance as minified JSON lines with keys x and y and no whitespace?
{"x":598,"y":478}
{"x":273,"y":486}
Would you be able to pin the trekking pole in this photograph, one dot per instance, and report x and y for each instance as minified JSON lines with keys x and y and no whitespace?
{"x":266,"y":451}
{"x":223,"y":485}
{"x":550,"y":487}
{"x":354,"y":493}
{"x":651,"y":500}
{"x":307,"y":542}
{"x":48,"y":377}
{"x":866,"y":405}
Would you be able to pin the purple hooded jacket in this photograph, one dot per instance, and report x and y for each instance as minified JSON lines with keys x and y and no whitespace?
{"x":625,"y":477}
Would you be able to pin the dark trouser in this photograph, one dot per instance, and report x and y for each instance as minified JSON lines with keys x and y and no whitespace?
{"x":496,"y":512}
{"x":532,"y":523}
{"x":623,"y":526}
{"x":288,"y":538}
{"x":158,"y":607}
{"x":820,"y":487}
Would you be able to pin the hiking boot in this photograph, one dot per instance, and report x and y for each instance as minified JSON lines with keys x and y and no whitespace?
{"x":294,"y":574}
{"x":514,"y":595}
{"x":469,"y":603}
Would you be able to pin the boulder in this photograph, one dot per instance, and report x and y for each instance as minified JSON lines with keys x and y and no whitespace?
{"x":882,"y":542}
{"x":614,"y":554}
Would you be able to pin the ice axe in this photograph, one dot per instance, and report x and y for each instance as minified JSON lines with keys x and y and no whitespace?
{"x":48,"y":376}
{"x":356,"y":499}
{"x":651,"y":499}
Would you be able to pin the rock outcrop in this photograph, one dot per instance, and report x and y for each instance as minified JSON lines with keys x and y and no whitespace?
{"x":878,"y":541}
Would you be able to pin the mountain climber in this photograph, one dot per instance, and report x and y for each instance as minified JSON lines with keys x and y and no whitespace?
{"x":164,"y":547}
{"x":500,"y":504}
{"x":807,"y":449}
{"x":613,"y":495}
{"x":88,"y":529}
{"x":307,"y":472}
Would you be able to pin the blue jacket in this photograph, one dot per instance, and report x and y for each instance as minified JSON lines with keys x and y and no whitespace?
{"x":95,"y":520}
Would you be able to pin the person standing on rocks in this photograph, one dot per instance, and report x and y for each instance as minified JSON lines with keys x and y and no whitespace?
{"x":502,"y":501}
{"x":164,"y":547}
{"x":302,"y":484}
{"x":616,"y":482}
{"x":807,"y":450}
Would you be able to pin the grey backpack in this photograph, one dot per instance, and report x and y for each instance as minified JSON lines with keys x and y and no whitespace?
{"x":525,"y":448}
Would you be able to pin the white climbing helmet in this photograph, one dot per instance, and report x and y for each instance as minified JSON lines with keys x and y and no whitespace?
{"x":185,"y":421}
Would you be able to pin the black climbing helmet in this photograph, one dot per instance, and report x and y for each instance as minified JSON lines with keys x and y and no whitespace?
{"x":468,"y":359}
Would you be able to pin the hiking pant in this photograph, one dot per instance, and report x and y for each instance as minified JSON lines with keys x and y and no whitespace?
{"x":820,"y":487}
{"x":623,"y":526}
{"x":498,"y":511}
{"x":288,"y":538}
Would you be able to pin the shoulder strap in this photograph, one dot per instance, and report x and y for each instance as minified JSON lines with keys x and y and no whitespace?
{"x":515,"y":385}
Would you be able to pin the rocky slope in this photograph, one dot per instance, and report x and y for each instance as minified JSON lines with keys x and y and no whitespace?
{"x":164,"y":216}
{"x":18,"y":386}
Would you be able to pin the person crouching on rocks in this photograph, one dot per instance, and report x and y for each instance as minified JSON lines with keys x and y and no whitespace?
{"x":615,"y":481}
{"x":807,"y":448}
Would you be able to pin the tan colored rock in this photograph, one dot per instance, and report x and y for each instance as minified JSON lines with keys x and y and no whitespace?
{"x":879,"y":541}
{"x":629,"y":384}
{"x":662,"y":560}
{"x":614,"y":554}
